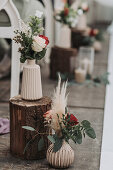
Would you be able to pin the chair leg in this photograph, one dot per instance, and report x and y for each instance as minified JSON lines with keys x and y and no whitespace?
{"x":15,"y":70}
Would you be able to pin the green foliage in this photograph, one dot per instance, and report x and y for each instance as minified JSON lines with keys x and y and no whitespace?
{"x":79,"y":137}
{"x":99,"y":36}
{"x":104,"y":78}
{"x":25,"y":39}
{"x":57,"y":144}
{"x":34,"y":24}
{"x":73,"y":132}
{"x":90,"y":132}
{"x":51,"y":138}
{"x":41,"y":144}
{"x":96,"y":81}
{"x":88,"y":129}
{"x":28,"y":128}
{"x":86,"y":124}
{"x":41,"y":54}
{"x":70,"y":128}
{"x":27,"y":145}
{"x":66,"y":110}
{"x":87,"y":41}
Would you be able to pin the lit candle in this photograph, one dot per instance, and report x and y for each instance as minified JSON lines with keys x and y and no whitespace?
{"x":80,"y":75}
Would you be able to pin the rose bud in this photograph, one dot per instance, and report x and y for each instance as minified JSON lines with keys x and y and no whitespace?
{"x":66,"y":11}
{"x":45,"y":38}
{"x":73,"y":120}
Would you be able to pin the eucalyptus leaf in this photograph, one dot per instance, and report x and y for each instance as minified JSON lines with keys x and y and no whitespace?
{"x":28,"y":128}
{"x":91,"y":133}
{"x":66,"y":110}
{"x":86,"y":124}
{"x":79,"y":137}
{"x":41,"y":54}
{"x":51,"y":138}
{"x":57,"y":145}
{"x":22,"y":59}
{"x":41,"y":144}
{"x":27,"y":145}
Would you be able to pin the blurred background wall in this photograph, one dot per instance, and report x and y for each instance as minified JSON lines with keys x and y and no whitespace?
{"x":100,"y":12}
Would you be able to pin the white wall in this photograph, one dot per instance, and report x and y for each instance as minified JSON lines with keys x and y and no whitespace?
{"x":99,"y":12}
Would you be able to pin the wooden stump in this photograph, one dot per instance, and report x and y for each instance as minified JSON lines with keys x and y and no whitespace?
{"x":62,"y":60}
{"x":77,"y":37}
{"x":28,"y":113}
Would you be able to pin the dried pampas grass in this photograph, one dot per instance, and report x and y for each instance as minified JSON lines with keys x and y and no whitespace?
{"x":59,"y":103}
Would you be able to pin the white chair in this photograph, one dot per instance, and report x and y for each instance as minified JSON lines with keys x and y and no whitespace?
{"x":49,"y":25}
{"x":58,"y":5}
{"x":8,"y":32}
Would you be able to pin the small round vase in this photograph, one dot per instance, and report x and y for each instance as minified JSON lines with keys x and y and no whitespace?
{"x":31,"y":81}
{"x":62,"y":158}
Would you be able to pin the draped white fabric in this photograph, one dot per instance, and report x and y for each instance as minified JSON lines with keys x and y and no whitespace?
{"x":105,"y":2}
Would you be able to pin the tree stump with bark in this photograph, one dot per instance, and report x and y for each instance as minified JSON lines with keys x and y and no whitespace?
{"x":77,"y":37}
{"x":28,"y":113}
{"x":62,"y":60}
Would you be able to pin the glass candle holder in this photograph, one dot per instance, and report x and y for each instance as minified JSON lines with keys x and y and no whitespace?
{"x":86,"y":59}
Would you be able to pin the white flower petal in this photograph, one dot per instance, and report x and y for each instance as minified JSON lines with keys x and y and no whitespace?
{"x":38,"y":43}
{"x":39,"y":14}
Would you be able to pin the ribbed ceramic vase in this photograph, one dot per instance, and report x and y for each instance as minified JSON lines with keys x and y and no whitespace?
{"x":65,"y":37}
{"x":62,"y":158}
{"x":31,"y":81}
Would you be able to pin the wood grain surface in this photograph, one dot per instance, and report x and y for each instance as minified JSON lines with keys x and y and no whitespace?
{"x":28,"y":113}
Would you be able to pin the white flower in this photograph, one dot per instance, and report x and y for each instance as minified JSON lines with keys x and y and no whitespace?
{"x":74,"y":23}
{"x":84,"y":5}
{"x":25,"y":28}
{"x":80,"y":12}
{"x":39,"y":14}
{"x":38,"y":44}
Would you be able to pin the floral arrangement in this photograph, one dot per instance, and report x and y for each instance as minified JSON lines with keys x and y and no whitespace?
{"x":96,"y":33}
{"x":91,"y":36}
{"x":66,"y":126}
{"x":83,"y":8}
{"x":33,"y":44}
{"x":67,"y":16}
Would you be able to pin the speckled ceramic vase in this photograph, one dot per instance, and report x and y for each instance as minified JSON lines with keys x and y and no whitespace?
{"x":31,"y":81}
{"x":62,"y":158}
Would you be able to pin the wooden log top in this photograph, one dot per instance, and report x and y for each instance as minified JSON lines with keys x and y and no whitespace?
{"x":81,"y":31}
{"x":17,"y":100}
{"x":66,"y":49}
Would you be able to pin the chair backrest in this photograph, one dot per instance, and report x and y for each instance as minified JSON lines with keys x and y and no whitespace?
{"x":8,"y":32}
{"x":27,"y":8}
{"x":49,"y":25}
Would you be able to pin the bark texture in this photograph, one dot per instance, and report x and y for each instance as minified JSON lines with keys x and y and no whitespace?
{"x":28,"y":113}
{"x":62,"y":60}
